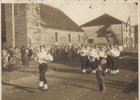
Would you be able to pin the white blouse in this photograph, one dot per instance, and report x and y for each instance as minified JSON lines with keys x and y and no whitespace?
{"x":93,"y":53}
{"x":115,"y":53}
{"x":102,"y":54}
{"x":43,"y":57}
{"x":83,"y":52}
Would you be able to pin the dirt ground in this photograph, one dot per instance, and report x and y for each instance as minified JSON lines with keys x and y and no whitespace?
{"x":66,"y":82}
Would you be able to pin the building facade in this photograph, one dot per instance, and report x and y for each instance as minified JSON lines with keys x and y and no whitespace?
{"x":39,"y":24}
{"x":110,"y":30}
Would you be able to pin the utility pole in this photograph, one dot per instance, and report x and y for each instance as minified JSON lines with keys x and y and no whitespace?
{"x":13,"y":26}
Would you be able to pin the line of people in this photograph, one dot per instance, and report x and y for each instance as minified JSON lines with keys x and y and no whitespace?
{"x":100,"y":59}
{"x":91,"y":56}
{"x":63,"y":53}
{"x":11,"y":57}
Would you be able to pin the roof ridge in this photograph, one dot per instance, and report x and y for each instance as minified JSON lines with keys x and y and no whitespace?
{"x":59,"y":18}
{"x":102,"y":16}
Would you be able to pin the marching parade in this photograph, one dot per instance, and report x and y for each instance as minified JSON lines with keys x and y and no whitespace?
{"x":68,"y":51}
{"x":90,"y":57}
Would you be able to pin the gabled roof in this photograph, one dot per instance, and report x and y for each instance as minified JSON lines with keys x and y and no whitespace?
{"x":54,"y":18}
{"x":102,"y":20}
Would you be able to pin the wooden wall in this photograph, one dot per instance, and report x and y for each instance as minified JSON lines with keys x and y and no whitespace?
{"x":48,"y":37}
{"x":28,"y":29}
{"x":3,"y":25}
{"x":91,"y":33}
{"x":118,"y":31}
{"x":97,"y":33}
{"x":20,"y":25}
{"x":8,"y":20}
{"x":33,"y":24}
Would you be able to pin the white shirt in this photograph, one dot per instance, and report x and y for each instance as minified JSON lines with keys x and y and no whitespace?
{"x":83,"y":52}
{"x":115,"y":53}
{"x":102,"y":54}
{"x":43,"y":57}
{"x":93,"y":53}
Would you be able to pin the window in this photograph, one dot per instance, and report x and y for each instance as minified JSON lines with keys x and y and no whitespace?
{"x":56,"y":36}
{"x":90,"y":40}
{"x":69,"y":37}
{"x":16,"y":9}
{"x":78,"y":38}
{"x":108,"y":28}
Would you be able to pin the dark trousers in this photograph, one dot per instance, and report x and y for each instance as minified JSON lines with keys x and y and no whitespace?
{"x":100,"y":58}
{"x":83,"y":61}
{"x":101,"y":84}
{"x":110,"y":62}
{"x":42,"y":70}
{"x":87,"y":62}
{"x":116,"y":63}
{"x":100,"y":80}
{"x":11,"y":61}
{"x":94,"y":64}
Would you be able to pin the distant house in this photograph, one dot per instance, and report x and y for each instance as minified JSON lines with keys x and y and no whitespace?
{"x":107,"y":29}
{"x":39,"y":24}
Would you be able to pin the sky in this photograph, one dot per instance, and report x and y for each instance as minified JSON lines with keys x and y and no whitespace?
{"x":85,"y":11}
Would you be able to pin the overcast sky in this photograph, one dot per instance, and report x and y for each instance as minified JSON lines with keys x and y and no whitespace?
{"x":84,"y":11}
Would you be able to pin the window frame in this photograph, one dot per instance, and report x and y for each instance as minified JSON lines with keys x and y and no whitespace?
{"x":69,"y":37}
{"x":56,"y":37}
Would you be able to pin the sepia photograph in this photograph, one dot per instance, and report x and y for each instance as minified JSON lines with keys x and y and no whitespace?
{"x":69,"y":50}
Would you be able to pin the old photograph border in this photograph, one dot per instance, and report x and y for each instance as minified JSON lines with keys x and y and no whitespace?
{"x":72,"y":1}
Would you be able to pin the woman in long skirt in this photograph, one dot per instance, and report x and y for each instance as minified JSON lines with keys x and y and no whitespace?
{"x":103,"y":56}
{"x":83,"y":57}
{"x":94,"y":59}
{"x":116,"y":59}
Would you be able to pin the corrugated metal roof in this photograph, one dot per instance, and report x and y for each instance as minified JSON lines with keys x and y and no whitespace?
{"x":102,"y":20}
{"x":55,"y":18}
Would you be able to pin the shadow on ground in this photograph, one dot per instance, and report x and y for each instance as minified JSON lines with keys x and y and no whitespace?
{"x":124,"y":86}
{"x":28,"y":89}
{"x":132,"y":87}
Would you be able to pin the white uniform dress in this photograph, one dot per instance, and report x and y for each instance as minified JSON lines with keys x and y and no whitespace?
{"x":93,"y":57}
{"x":83,"y":58}
{"x":116,"y":54}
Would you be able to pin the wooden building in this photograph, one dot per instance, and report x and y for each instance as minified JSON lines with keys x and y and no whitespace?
{"x":107,"y":29}
{"x":39,"y":24}
{"x":136,"y":35}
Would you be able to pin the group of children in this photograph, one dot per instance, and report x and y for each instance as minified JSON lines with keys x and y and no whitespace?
{"x":101,"y":60}
{"x":92,"y":56}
